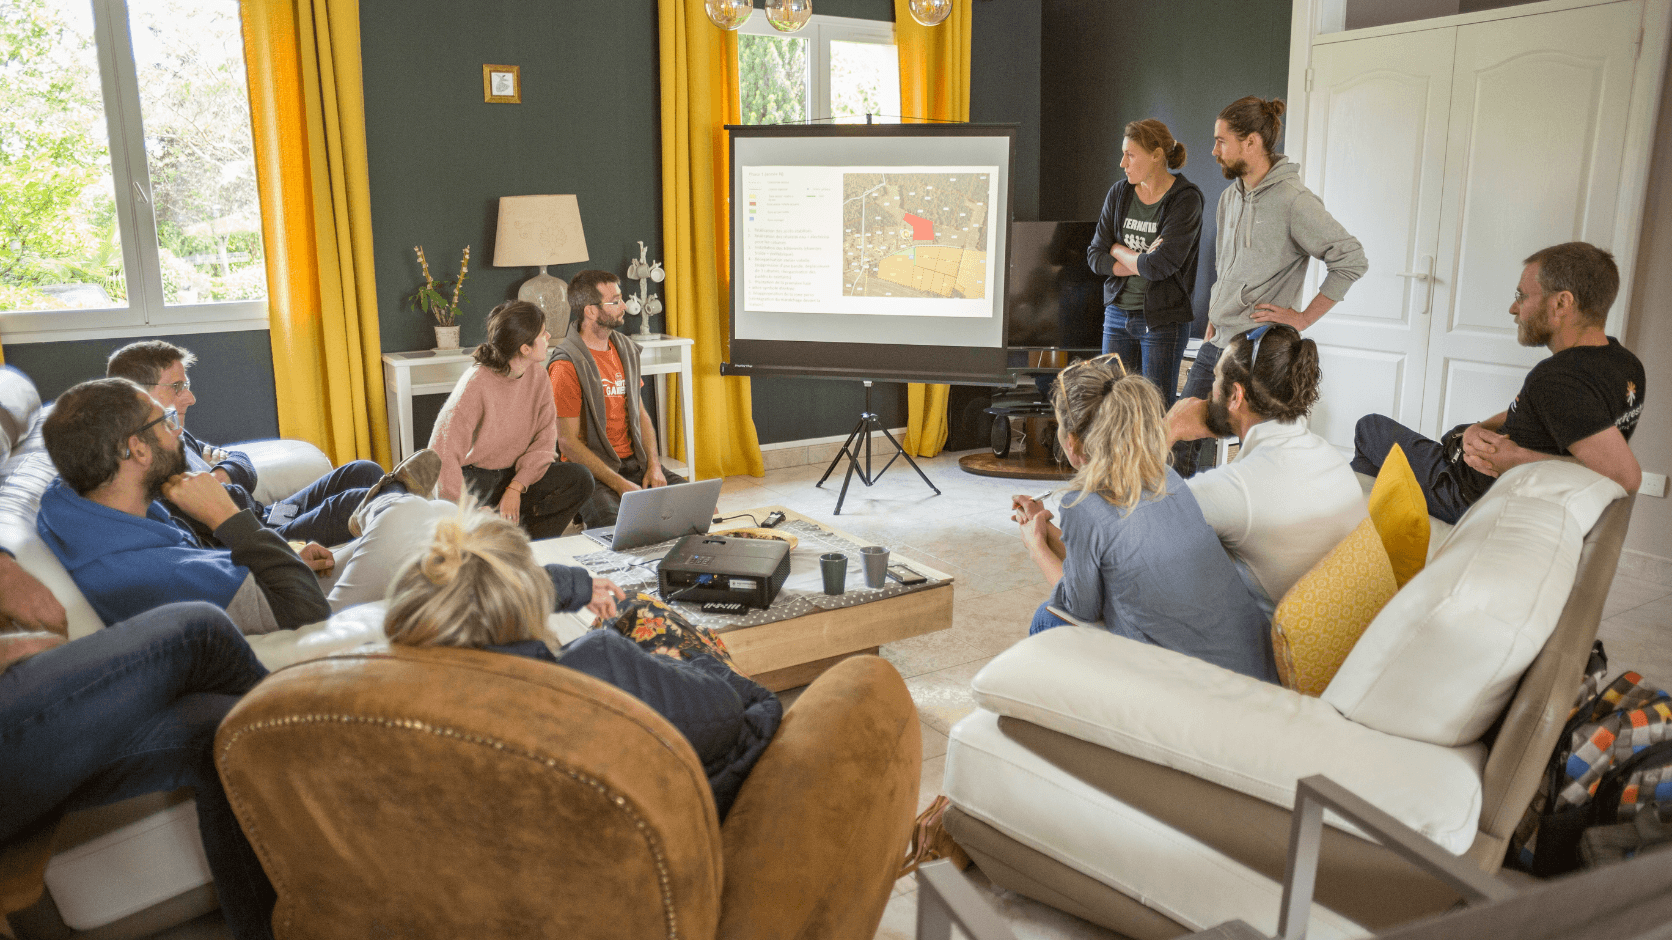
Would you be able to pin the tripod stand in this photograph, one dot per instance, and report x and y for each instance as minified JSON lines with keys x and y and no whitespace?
{"x":850,"y":449}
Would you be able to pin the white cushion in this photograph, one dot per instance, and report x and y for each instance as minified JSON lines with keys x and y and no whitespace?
{"x":1250,"y":736}
{"x":283,"y":467}
{"x":1441,"y":660}
{"x":1009,"y":787}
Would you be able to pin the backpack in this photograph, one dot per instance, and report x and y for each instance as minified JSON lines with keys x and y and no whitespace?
{"x":1613,"y":761}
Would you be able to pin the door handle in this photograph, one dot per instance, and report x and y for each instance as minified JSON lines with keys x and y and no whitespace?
{"x":1425,"y":276}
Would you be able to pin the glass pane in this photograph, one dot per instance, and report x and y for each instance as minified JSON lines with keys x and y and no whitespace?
{"x":189,"y":60}
{"x":864,"y":79}
{"x":59,"y":246}
{"x":772,"y":78}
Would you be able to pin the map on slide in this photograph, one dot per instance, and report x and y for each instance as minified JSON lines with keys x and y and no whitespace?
{"x":914,"y":235}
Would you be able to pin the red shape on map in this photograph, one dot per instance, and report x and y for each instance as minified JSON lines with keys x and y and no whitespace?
{"x":922,"y":230}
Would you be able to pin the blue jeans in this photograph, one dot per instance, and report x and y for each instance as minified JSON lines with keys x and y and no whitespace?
{"x":323,"y":506}
{"x":1153,"y":353}
{"x":1449,"y":490}
{"x":1044,"y":620}
{"x":128,"y":710}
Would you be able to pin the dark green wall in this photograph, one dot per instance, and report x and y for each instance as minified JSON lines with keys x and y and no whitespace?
{"x":440,"y":157}
{"x":1005,"y":86}
{"x":1114,"y":61}
{"x":233,"y":378}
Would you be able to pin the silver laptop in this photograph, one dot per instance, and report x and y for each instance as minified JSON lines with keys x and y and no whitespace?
{"x":659,"y":514}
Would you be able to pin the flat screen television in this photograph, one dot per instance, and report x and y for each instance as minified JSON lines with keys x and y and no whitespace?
{"x":1053,"y":299}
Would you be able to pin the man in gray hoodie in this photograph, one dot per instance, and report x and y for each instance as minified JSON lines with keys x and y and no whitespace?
{"x":1270,"y":227}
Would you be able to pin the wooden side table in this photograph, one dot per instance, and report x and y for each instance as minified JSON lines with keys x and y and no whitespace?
{"x":436,"y":371}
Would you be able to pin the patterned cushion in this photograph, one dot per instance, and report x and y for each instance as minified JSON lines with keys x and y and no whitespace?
{"x":1323,"y":615}
{"x":1400,"y":512}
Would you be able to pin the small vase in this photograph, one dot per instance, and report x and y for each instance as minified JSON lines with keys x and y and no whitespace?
{"x":447,"y":337}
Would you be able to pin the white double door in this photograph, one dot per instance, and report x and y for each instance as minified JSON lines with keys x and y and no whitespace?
{"x":1453,"y":153}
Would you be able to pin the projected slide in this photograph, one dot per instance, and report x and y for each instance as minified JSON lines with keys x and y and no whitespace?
{"x":899,"y":240}
{"x":915,"y":234}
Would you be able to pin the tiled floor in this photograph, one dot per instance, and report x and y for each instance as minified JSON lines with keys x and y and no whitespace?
{"x":967,"y":532}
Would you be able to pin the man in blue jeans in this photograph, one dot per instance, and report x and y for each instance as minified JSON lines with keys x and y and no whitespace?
{"x":320,"y":512}
{"x":131,"y":709}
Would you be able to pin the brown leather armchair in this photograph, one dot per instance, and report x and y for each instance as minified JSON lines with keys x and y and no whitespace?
{"x":452,"y":793}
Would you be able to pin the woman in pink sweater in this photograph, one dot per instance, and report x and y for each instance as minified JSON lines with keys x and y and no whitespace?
{"x":497,"y":433}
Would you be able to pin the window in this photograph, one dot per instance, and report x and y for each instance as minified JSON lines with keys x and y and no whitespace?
{"x":834,"y":68}
{"x":127,"y":173}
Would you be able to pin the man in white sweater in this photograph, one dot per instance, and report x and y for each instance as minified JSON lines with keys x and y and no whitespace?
{"x":1288,"y":497}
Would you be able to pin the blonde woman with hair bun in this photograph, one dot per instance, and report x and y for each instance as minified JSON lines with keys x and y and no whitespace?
{"x":477,"y":586}
{"x":1134,"y":551}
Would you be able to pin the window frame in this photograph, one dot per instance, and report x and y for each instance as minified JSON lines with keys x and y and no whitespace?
{"x":820,"y":31}
{"x":146,"y":313}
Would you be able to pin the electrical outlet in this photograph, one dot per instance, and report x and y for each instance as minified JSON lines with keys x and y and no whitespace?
{"x":1654,"y":484}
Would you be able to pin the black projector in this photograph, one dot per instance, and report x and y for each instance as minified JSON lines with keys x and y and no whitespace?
{"x":725,"y":570}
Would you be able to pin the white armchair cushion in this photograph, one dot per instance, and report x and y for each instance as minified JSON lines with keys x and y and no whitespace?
{"x":1250,"y":736}
{"x":1441,"y":660}
{"x":283,"y":466}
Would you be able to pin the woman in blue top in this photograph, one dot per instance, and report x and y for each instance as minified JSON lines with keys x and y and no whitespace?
{"x":1146,"y":246}
{"x":1134,"y":550}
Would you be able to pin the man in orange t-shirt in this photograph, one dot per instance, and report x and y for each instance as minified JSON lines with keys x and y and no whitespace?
{"x":599,"y":425}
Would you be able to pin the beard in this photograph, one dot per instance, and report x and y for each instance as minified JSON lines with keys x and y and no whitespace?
{"x":1218,"y":418}
{"x":168,"y":463}
{"x":1232,"y":170}
{"x":1534,"y":329}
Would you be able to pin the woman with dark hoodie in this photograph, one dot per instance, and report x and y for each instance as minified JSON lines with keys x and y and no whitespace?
{"x":477,"y":586}
{"x":1146,"y":246}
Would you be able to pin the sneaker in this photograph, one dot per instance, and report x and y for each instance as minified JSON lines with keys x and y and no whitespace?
{"x":416,"y":474}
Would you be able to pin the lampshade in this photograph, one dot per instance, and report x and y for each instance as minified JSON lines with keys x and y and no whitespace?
{"x":535,"y":231}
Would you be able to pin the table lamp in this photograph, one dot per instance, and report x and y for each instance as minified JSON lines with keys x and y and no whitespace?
{"x":535,"y":231}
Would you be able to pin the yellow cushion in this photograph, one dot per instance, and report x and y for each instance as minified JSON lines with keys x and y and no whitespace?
{"x":1322,"y":616}
{"x":1400,"y":512}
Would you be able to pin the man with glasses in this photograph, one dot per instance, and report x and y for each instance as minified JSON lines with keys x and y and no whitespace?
{"x":600,"y":425}
{"x":1582,"y":403}
{"x":119,"y":454}
{"x":323,"y":511}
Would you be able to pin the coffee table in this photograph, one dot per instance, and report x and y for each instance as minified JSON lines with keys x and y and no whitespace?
{"x":789,"y":653}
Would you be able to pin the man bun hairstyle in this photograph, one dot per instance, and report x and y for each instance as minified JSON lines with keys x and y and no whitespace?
{"x":511,"y":326}
{"x":144,"y":362}
{"x":1255,"y":115}
{"x":1152,"y":135}
{"x":1585,"y":271}
{"x":584,"y":291}
{"x":1281,"y":382}
{"x":87,"y":433}
{"x":1122,"y":428}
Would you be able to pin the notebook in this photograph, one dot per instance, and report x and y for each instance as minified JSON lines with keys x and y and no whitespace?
{"x":657,"y":515}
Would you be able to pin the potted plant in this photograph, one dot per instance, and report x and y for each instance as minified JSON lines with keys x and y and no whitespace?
{"x":432,"y":299}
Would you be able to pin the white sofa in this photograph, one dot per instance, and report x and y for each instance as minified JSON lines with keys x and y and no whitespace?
{"x":1150,"y":792}
{"x":135,"y":867}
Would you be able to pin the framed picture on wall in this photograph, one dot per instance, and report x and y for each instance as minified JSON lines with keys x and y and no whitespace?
{"x":501,"y":84}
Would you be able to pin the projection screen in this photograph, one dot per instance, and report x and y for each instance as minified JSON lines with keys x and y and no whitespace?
{"x":870,"y":251}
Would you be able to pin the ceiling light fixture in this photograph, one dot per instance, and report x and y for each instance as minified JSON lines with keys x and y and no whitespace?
{"x":729,"y":14}
{"x":787,"y":16}
{"x":930,"y":12}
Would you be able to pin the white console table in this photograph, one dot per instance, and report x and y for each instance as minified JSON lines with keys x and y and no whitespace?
{"x":436,"y":371}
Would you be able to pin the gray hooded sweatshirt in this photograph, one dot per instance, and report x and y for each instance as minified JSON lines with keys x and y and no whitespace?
{"x":1266,"y":237}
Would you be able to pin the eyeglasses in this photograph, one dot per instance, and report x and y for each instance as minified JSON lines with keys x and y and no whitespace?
{"x":1521,"y":298}
{"x":184,"y":385}
{"x":612,"y":303}
{"x":170,"y":417}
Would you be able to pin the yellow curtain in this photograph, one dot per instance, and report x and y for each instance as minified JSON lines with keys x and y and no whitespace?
{"x":699,"y":97}
{"x":308,"y":114}
{"x":934,"y":83}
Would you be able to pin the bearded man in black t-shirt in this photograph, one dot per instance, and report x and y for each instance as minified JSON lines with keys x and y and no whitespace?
{"x":1581,"y":403}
